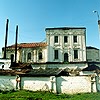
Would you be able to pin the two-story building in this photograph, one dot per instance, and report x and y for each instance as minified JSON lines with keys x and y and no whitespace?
{"x":66,"y":44}
{"x":65,"y":47}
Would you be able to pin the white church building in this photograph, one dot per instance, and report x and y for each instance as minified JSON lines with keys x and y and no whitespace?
{"x":65,"y":47}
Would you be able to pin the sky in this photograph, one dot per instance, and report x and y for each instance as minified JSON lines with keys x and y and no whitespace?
{"x":33,"y":16}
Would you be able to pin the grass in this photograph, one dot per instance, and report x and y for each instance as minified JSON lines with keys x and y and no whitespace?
{"x":29,"y":95}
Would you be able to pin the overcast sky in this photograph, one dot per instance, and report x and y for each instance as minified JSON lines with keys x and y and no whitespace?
{"x":33,"y":16}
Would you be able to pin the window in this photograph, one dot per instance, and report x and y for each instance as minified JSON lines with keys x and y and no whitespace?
{"x":75,"y":39}
{"x":40,"y":55}
{"x":75,"y":54}
{"x":56,"y":54}
{"x":66,"y":57}
{"x":29,"y":56}
{"x":55,"y":39}
{"x":65,"y":39}
{"x":97,"y":59}
{"x":89,"y":59}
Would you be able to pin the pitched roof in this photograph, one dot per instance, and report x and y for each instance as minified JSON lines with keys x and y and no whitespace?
{"x":29,"y":45}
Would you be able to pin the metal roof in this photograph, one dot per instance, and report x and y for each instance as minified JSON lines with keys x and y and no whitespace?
{"x":64,"y":28}
{"x":29,"y":45}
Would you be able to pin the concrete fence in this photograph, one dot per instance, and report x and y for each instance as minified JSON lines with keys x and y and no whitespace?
{"x":7,"y":83}
{"x":62,"y":84}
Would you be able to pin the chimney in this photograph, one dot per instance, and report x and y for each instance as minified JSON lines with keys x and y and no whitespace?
{"x":6,"y":39}
{"x":16,"y":43}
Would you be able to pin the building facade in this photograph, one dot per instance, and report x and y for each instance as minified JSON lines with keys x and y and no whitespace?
{"x":65,"y":47}
{"x":66,"y":44}
{"x":28,"y":52}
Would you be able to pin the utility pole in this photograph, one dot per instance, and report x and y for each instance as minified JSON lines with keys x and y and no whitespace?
{"x":16,"y":43}
{"x":96,"y":13}
{"x":6,"y":39}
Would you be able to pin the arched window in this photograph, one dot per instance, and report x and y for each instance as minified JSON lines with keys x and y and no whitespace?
{"x":29,"y":56}
{"x":66,"y":57}
{"x":40,"y":55}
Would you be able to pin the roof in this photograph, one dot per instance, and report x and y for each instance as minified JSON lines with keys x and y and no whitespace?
{"x":92,"y":67}
{"x":46,"y":72}
{"x":21,"y":66}
{"x":35,"y":72}
{"x":65,"y":28}
{"x":89,"y":47}
{"x":29,"y":45}
{"x":12,"y":72}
